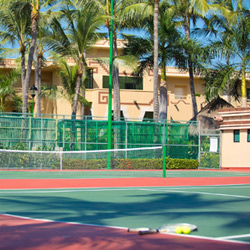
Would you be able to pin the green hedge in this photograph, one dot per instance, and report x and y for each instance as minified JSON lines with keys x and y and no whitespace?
{"x":210,"y":161}
{"x":52,"y":161}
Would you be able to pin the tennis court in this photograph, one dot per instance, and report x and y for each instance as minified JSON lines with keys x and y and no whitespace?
{"x":93,"y":209}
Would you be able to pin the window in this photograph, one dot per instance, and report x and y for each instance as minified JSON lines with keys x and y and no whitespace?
{"x":248,"y":135}
{"x":180,"y":92}
{"x":90,"y":79}
{"x":149,"y":115}
{"x":236,"y":135}
{"x":248,"y":95}
{"x":122,"y":118}
{"x":125,"y":82}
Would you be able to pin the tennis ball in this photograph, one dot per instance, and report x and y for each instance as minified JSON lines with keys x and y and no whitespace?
{"x":178,"y":230}
{"x":186,"y":230}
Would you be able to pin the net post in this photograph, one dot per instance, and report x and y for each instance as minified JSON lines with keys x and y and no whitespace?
{"x":199,"y":143}
{"x":110,"y":85}
{"x":164,"y":152}
{"x":164,"y":161}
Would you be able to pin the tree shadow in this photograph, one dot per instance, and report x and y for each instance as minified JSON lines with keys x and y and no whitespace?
{"x":213,"y":216}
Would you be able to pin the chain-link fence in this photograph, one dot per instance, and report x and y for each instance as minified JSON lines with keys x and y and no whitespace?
{"x":210,"y":149}
{"x":25,"y":132}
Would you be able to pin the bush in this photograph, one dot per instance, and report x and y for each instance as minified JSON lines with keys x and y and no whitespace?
{"x":136,"y":164}
{"x":210,"y":160}
{"x":52,"y":161}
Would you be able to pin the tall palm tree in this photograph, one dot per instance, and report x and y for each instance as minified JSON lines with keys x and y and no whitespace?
{"x":141,"y":11}
{"x":36,"y":6}
{"x":188,"y":11}
{"x":233,"y":34}
{"x":156,"y":51}
{"x":43,"y":32}
{"x":144,"y":49}
{"x":15,"y":29}
{"x":75,"y":39}
{"x":241,"y":34}
{"x":120,"y":21}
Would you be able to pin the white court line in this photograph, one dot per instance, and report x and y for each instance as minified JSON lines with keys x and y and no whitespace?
{"x":153,"y":189}
{"x":192,"y":192}
{"x":234,"y":237}
{"x":115,"y":227}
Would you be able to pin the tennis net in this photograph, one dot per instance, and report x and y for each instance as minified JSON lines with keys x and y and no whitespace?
{"x":133,"y":158}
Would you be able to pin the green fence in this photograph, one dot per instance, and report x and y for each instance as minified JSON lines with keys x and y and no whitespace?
{"x":64,"y":134}
{"x":210,"y":149}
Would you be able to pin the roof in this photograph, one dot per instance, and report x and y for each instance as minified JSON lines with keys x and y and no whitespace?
{"x":207,"y":113}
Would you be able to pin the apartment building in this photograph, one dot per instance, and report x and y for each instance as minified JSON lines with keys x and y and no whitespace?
{"x":136,"y":92}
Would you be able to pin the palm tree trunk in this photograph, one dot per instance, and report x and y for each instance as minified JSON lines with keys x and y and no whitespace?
{"x":23,"y":71}
{"x":192,"y":88}
{"x":243,"y":85}
{"x":116,"y":85}
{"x":38,"y":69}
{"x":190,"y":67}
{"x":228,"y":82}
{"x":35,"y":17}
{"x":163,"y":94}
{"x":78,"y":88}
{"x":155,"y":70}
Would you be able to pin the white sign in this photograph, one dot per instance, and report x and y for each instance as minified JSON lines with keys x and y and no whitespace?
{"x":213,"y":144}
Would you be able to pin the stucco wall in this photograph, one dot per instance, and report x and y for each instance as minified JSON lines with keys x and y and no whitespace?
{"x":235,"y":154}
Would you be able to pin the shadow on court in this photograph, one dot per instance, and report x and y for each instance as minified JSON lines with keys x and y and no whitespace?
{"x":215,"y":217}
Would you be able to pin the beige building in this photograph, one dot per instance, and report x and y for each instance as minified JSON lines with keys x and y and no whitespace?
{"x":136,"y":93}
{"x":235,"y":138}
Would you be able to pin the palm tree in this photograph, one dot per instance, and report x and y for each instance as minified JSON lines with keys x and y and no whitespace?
{"x":188,"y":11}
{"x":222,"y":77}
{"x":233,"y":34}
{"x":241,"y":34}
{"x":43,"y":32}
{"x":140,"y":12}
{"x":120,"y":21}
{"x":74,"y":40}
{"x":7,"y":91}
{"x":36,"y":6}
{"x":144,"y":49}
{"x":68,"y":75}
{"x":15,"y":29}
{"x":156,"y":51}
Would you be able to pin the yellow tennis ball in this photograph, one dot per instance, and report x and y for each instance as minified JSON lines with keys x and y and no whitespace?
{"x":178,"y":230}
{"x":186,"y":230}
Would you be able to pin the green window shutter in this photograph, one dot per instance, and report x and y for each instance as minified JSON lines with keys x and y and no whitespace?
{"x":90,"y":78}
{"x":105,"y":82}
{"x":248,"y":135}
{"x":236,"y":135}
{"x":125,"y":82}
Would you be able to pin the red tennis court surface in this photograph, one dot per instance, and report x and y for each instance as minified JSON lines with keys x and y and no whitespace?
{"x":20,"y":233}
{"x":120,"y":182}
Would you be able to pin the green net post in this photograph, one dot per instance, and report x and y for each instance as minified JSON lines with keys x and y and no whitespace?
{"x":164,"y":161}
{"x":110,"y":85}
